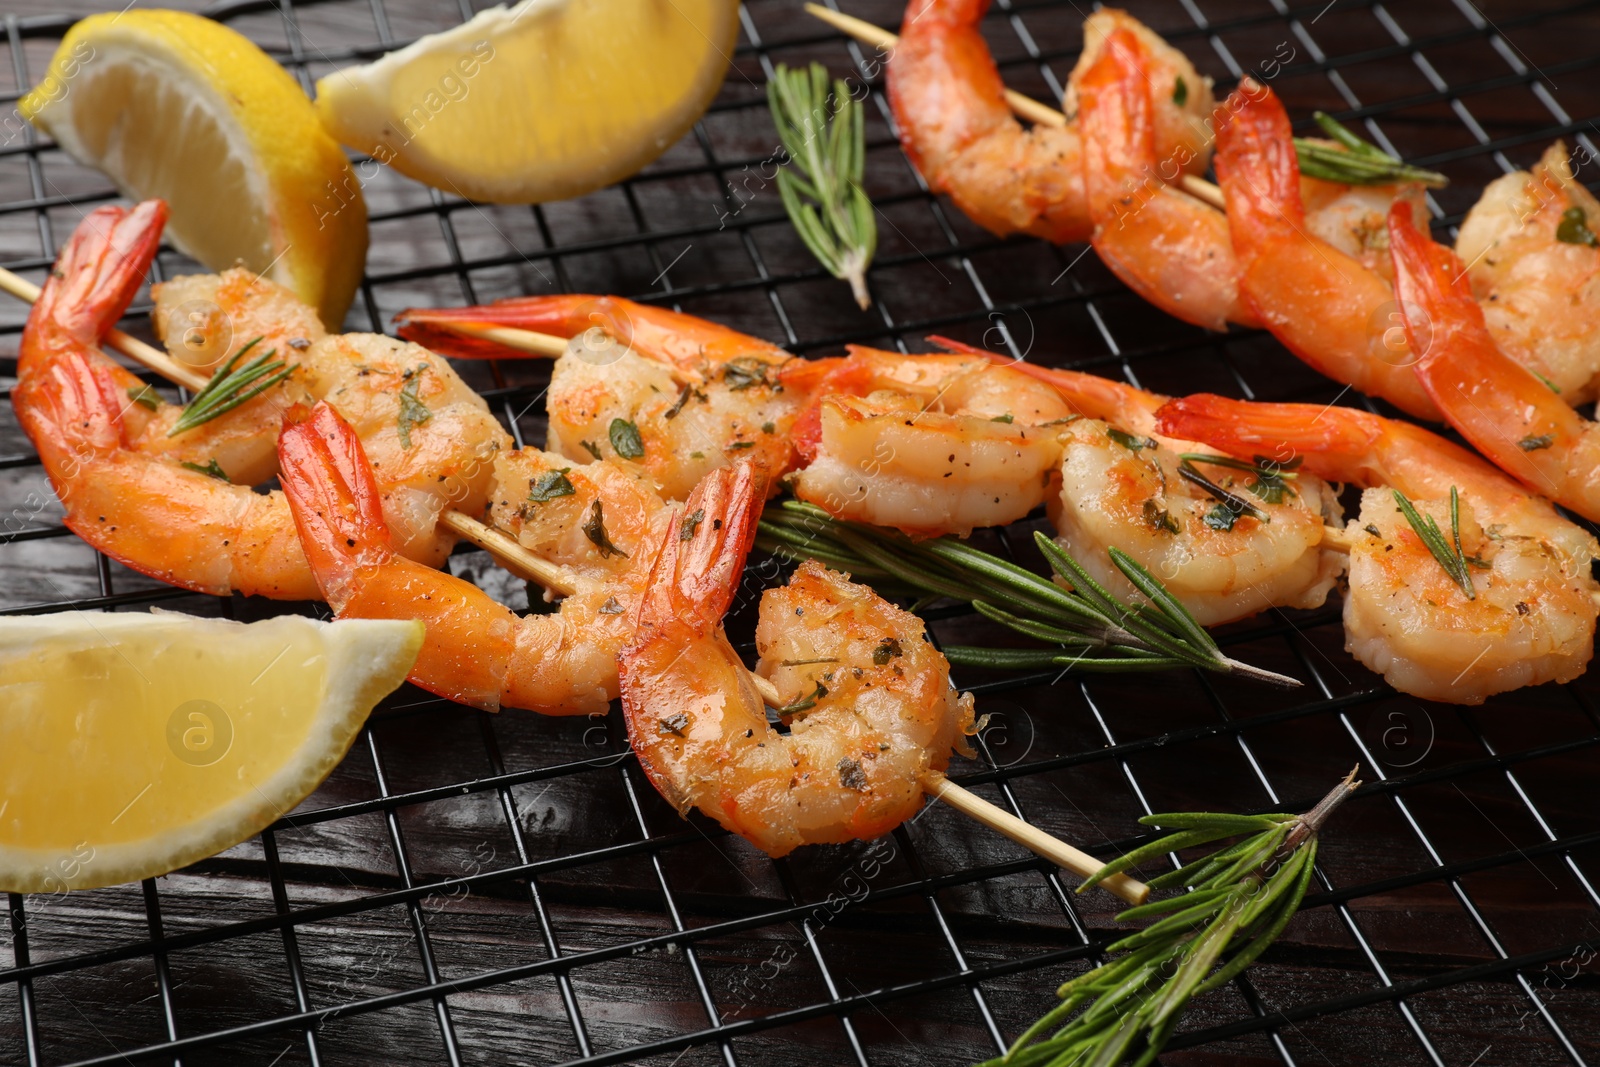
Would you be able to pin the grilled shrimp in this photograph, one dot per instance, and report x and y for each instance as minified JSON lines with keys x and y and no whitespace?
{"x":949,"y":105}
{"x":477,"y":651}
{"x":1503,"y":408}
{"x":1251,"y":540}
{"x":1167,"y":246}
{"x":1520,"y":609}
{"x":191,"y":526}
{"x":928,"y":444}
{"x":1326,"y":307}
{"x":1535,"y":268}
{"x":871,"y":708}
{"x":669,"y":394}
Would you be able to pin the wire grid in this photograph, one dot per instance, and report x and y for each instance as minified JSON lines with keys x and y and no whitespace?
{"x":985,"y":930}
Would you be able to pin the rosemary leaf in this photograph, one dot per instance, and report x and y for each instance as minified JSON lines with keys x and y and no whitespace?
{"x":1449,"y":554}
{"x":823,"y":130}
{"x":1356,"y":161}
{"x":232,"y":386}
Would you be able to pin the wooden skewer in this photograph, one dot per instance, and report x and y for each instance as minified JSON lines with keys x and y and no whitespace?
{"x":996,"y":818}
{"x":1025,"y":106}
{"x":530,"y":341}
{"x":131,"y":347}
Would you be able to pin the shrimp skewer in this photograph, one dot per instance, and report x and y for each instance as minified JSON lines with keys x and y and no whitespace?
{"x":1321,"y":302}
{"x":1524,"y":612}
{"x":1503,"y":408}
{"x":957,"y":128}
{"x":476,"y":651}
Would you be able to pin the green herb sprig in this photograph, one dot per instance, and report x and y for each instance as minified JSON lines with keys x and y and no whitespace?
{"x":825,"y":135}
{"x":1360,"y":162}
{"x":1454,"y":561}
{"x":232,"y":386}
{"x":1241,"y":898}
{"x":1094,"y":630}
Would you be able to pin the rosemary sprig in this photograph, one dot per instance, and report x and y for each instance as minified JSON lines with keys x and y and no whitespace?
{"x":825,"y":135}
{"x":1240,"y":899}
{"x":1454,"y":561}
{"x":1357,"y":162}
{"x":232,"y":386}
{"x":1093,"y":629}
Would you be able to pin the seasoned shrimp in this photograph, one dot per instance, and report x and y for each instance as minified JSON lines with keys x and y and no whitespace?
{"x":670,"y":394}
{"x":1503,"y":408}
{"x":1320,"y":301}
{"x":1534,"y":265}
{"x":949,"y":105}
{"x":1523,"y":614}
{"x":1168,"y":247}
{"x":871,"y":707}
{"x":928,"y":444}
{"x":477,"y":651}
{"x":189,"y":525}
{"x":1256,"y":544}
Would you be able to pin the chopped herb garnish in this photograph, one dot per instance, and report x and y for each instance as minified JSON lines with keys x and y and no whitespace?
{"x":625,"y":439}
{"x":1238,"y":505}
{"x":683,"y":398}
{"x":1159,"y":518}
{"x":851,"y":776}
{"x":695,"y":455}
{"x":1271,"y":475}
{"x":232,"y":386}
{"x":550,"y":485}
{"x":1448,"y":553}
{"x":741,"y":444}
{"x":592,"y":448}
{"x":1180,"y":92}
{"x":768,"y":427}
{"x":691,"y":523}
{"x":210,"y":468}
{"x":1221,"y":517}
{"x":1534,"y":444}
{"x":1552,"y":386}
{"x":1573,"y":229}
{"x":1128,"y":441}
{"x":595,"y":529}
{"x":144,"y":396}
{"x":1356,"y":162}
{"x":888,"y":649}
{"x":1007,"y":418}
{"x":413,"y":412}
{"x":806,"y":703}
{"x":741,"y":373}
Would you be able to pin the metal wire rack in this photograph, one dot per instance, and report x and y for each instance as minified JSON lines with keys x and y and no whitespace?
{"x":476,"y":888}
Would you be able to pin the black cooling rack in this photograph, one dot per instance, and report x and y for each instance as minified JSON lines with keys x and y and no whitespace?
{"x":474,"y":888}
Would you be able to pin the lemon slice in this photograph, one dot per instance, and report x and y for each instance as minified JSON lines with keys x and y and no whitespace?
{"x":177,"y":106}
{"x":131,"y":745}
{"x":542,"y":101}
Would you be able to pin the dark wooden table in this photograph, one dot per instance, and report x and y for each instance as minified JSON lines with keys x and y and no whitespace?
{"x":495,"y":889}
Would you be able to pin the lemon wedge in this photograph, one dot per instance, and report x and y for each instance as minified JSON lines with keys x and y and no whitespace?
{"x":131,"y":745}
{"x":545,"y":100}
{"x":176,"y":106}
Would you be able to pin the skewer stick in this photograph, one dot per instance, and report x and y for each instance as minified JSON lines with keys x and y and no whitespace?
{"x":1026,"y":106}
{"x":530,"y":341}
{"x":131,"y":347}
{"x":996,"y":818}
{"x":512,"y":556}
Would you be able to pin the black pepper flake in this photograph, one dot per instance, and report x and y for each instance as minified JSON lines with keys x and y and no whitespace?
{"x":851,"y":776}
{"x":1522,"y":609}
{"x":299,"y":344}
{"x":673,"y":724}
{"x":690,"y":524}
{"x":611,"y":607}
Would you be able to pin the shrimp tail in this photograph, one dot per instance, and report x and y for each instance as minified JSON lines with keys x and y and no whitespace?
{"x":1431,"y":283}
{"x":100,"y":269}
{"x":698,"y":562}
{"x":563,"y":315}
{"x":1256,"y":162}
{"x":335,"y":499}
{"x":1329,"y":440}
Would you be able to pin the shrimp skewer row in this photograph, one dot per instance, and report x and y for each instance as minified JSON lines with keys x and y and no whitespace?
{"x":1324,"y":304}
{"x":1501,"y":407}
{"x":1521,"y":609}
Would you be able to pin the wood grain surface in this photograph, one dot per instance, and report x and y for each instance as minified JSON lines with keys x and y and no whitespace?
{"x":624,"y":932}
